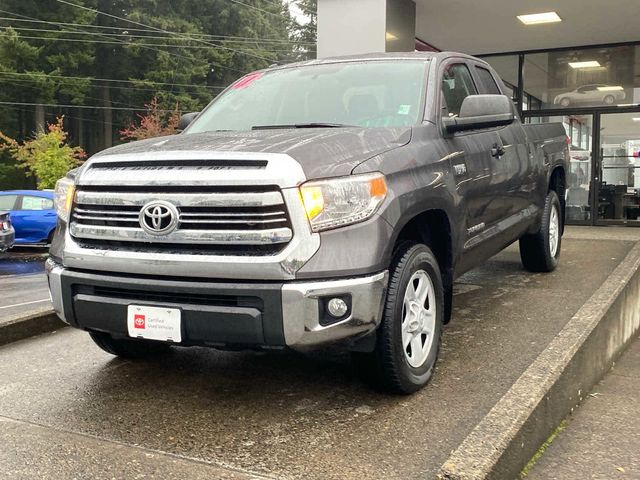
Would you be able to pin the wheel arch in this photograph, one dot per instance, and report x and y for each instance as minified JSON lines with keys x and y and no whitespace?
{"x":433,"y":228}
{"x":558,"y":183}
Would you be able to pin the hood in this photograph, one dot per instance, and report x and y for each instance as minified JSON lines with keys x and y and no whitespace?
{"x":322,"y":152}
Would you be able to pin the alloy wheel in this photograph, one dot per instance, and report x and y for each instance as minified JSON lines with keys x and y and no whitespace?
{"x":418,"y":318}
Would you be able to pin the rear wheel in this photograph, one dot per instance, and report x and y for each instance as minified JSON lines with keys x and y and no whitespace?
{"x":408,"y":339}
{"x":540,"y":251}
{"x":565,"y":102}
{"x":125,"y":348}
{"x":609,"y":100}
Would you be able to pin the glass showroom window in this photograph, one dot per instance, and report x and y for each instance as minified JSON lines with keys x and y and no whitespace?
{"x":507,"y":67}
{"x":578,"y":193}
{"x":583,"y":78}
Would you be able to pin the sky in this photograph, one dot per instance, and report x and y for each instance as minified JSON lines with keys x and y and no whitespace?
{"x":298,"y":14}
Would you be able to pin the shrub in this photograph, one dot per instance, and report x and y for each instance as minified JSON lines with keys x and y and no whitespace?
{"x":47,"y":156}
{"x":152,"y":124}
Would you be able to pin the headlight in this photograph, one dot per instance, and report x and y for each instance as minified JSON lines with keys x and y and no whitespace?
{"x":342,"y":201}
{"x":6,"y":224}
{"x":63,"y":197}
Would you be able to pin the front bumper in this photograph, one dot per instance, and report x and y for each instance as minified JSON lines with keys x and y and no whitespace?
{"x":222,"y":313}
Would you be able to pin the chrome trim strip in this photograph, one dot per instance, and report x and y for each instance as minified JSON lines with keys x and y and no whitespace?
{"x":195,"y":237}
{"x":185,"y":216}
{"x":82,"y":211}
{"x":240,"y":199}
{"x":224,"y":221}
{"x":300,"y":310}
{"x":54,"y":277}
{"x":106,"y":219}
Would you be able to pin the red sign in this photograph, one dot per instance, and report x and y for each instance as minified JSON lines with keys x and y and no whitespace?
{"x":139,"y":321}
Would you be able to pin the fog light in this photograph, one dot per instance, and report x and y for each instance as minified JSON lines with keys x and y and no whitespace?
{"x":337,"y":307}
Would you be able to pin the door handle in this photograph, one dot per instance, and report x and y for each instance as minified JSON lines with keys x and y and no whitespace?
{"x":497,"y":151}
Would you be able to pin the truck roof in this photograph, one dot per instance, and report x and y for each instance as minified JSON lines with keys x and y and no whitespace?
{"x":380,"y":56}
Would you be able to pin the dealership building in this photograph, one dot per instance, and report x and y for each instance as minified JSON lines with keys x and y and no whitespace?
{"x":575,"y":62}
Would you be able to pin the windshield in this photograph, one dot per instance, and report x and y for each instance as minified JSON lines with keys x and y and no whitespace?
{"x":371,"y":94}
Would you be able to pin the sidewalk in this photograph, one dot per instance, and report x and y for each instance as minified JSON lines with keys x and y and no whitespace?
{"x":602,"y":438}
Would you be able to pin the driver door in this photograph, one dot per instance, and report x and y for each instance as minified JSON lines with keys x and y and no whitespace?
{"x":472,"y":167}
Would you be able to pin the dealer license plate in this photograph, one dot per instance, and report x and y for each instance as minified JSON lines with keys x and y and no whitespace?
{"x":154,"y":323}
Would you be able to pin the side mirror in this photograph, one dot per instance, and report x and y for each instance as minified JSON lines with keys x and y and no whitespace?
{"x":186,"y":119}
{"x":481,"y":111}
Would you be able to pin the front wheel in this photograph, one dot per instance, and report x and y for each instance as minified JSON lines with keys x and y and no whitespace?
{"x":609,"y":100}
{"x":540,"y":251}
{"x":125,"y":348}
{"x":408,"y":339}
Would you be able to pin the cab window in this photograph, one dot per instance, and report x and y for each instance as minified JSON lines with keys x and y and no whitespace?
{"x":488,"y":84}
{"x":457,"y":85}
{"x":36,"y":203}
{"x":7,"y":202}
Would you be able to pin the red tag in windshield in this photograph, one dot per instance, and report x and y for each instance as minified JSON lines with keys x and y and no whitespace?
{"x":247,"y":80}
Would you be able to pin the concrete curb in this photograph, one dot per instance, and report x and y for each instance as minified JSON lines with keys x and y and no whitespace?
{"x":554,"y":384}
{"x":29,"y":325}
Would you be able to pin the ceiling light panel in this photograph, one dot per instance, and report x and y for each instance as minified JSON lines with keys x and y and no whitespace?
{"x":539,"y":18}
{"x":588,"y":64}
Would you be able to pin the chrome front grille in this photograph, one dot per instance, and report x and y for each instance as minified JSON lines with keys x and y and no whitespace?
{"x":237,"y":220}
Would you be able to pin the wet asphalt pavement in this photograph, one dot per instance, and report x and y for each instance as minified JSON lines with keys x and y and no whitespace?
{"x":23,"y":284}
{"x":69,"y":410}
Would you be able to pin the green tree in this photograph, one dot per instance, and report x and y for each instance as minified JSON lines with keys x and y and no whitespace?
{"x":116,"y":54}
{"x":306,"y":33}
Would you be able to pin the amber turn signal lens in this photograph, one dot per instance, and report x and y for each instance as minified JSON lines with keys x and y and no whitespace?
{"x":312,"y":200}
{"x":378,"y":187}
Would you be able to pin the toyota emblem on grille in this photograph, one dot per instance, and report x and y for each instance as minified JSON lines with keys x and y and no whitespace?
{"x":158,"y":218}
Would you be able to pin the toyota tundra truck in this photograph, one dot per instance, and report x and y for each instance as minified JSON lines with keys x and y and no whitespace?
{"x":329,"y":202}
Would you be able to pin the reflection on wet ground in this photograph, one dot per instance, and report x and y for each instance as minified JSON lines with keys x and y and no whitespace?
{"x":23,"y":261}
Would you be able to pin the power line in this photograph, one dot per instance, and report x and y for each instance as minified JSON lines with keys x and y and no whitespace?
{"x":133,"y":44}
{"x":31,"y":110}
{"x":109,"y":80}
{"x":149,"y":48}
{"x":129,"y":35}
{"x":90,"y":107}
{"x":195,"y":35}
{"x":24,"y":83}
{"x":114,"y":87}
{"x":256,"y":8}
{"x":161,"y":30}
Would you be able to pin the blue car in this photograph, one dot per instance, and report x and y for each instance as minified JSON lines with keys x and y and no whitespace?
{"x":32,"y":214}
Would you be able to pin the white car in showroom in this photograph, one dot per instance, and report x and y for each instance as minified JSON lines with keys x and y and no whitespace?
{"x":591,"y":94}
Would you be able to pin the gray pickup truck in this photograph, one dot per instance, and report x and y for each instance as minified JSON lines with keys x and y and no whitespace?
{"x":327,"y":202}
{"x":7,"y":233}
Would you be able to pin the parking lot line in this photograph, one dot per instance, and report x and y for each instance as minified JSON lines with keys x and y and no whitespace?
{"x":25,"y":303}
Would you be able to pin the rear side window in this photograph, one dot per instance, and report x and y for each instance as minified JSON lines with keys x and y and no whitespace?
{"x":36,"y":203}
{"x":7,"y":202}
{"x":487,"y":82}
{"x":457,"y":85}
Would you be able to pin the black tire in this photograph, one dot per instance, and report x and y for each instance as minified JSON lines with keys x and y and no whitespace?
{"x":387,"y":366}
{"x":125,"y":348}
{"x":535,"y":249}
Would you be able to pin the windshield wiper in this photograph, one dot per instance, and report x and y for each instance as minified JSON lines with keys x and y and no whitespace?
{"x":302,"y":125}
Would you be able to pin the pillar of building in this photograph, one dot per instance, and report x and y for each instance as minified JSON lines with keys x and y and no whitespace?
{"x":348,"y":27}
